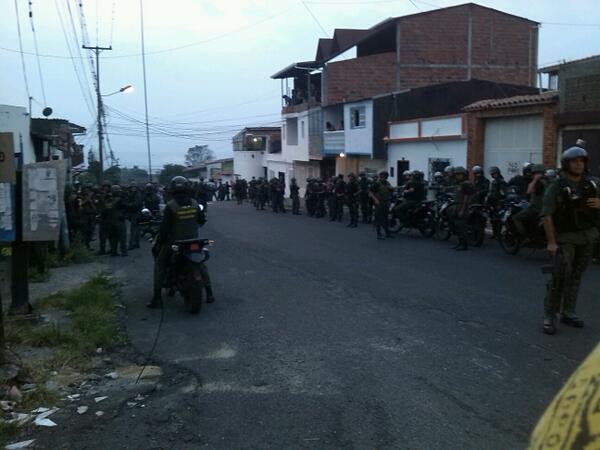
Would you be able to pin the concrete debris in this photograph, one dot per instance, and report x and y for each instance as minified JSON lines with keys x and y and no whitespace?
{"x":82,"y":409}
{"x":99,"y":350}
{"x":8,"y":372}
{"x":46,"y":414}
{"x":99,"y":413}
{"x":14,"y":394}
{"x":73,"y":396}
{"x":44,"y":423}
{"x":139,"y":397}
{"x":28,"y":387}
{"x":132,"y":372}
{"x":131,"y":404}
{"x":19,"y":445}
{"x":99,"y":399}
{"x":7,"y":405}
{"x":112,"y":375}
{"x":40,"y":410}
{"x":19,"y":418}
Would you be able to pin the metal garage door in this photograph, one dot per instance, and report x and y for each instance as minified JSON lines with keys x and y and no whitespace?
{"x":511,"y":141}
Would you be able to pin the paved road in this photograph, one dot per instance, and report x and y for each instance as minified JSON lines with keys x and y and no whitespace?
{"x":323,"y":337}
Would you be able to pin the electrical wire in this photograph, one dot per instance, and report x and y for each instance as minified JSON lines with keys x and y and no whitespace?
{"x":21,"y":51}
{"x":37,"y":53}
{"x":112,"y":22}
{"x":315,"y":18}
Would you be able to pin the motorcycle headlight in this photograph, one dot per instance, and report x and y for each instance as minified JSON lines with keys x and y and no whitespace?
{"x":175,"y":248}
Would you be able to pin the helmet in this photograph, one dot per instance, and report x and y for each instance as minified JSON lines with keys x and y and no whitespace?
{"x":438,"y":175}
{"x":448,"y":169}
{"x":384,"y":174}
{"x":477,"y":169}
{"x":115,"y":189}
{"x":580,"y":143}
{"x":351,"y":175}
{"x":146,"y":213}
{"x":459,"y":169}
{"x":571,"y":154}
{"x":494,"y":170}
{"x":406,"y":173}
{"x":106,"y":183}
{"x":538,"y":168}
{"x":550,"y":173}
{"x":293,"y":180}
{"x":527,"y":167}
{"x":179,"y":184}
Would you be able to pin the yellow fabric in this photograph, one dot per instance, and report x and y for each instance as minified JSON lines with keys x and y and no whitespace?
{"x":572,"y":421}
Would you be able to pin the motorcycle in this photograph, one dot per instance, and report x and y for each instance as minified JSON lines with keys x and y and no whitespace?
{"x":476,"y":224}
{"x":185,"y":273}
{"x":149,"y":224}
{"x":443,"y":223}
{"x":511,"y":240}
{"x":421,"y":217}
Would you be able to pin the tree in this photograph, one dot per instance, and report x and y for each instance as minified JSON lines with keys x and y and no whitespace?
{"x":113,"y":175}
{"x":87,"y":178}
{"x":94,"y":169}
{"x":197,"y":154}
{"x":169,"y":171}
{"x":134,"y":174}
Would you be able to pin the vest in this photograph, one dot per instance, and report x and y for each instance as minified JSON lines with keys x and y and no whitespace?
{"x":572,"y":214}
{"x":185,"y":221}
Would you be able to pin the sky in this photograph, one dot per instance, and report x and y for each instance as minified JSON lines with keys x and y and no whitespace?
{"x":209,"y":62}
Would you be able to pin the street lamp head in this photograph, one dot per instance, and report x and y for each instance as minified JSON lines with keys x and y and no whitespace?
{"x":127,"y":88}
{"x":342,"y":155}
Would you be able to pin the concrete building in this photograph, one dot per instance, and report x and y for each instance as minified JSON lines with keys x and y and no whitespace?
{"x":16,"y":120}
{"x":216,"y":170}
{"x":578,"y":115}
{"x":252,"y":148}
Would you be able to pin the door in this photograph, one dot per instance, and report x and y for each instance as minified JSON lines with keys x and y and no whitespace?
{"x":509,"y":142}
{"x":327,"y":168}
{"x":401,"y":167}
{"x":592,"y":145}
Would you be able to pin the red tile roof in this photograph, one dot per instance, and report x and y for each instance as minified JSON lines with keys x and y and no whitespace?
{"x":509,"y":102}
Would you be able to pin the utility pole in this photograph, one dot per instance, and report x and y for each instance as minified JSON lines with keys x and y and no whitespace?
{"x":97,"y":51}
{"x":145,"y":91}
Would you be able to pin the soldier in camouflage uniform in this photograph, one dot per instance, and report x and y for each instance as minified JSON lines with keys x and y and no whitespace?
{"x":571,"y":211}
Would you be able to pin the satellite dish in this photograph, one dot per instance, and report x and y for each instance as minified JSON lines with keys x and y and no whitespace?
{"x":47,"y":111}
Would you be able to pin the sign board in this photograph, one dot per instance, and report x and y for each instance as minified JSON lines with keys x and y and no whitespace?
{"x":7,"y":158}
{"x":43,"y":200}
{"x":7,"y":212}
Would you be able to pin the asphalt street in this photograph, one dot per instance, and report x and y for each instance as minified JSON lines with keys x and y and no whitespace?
{"x":324,"y":337}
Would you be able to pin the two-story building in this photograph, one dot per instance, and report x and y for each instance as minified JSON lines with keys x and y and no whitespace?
{"x":252,"y":148}
{"x":458,"y":43}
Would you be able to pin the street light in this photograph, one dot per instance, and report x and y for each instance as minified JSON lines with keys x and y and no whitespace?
{"x":342,"y":155}
{"x":127,"y":88}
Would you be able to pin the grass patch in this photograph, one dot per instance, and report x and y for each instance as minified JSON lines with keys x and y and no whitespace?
{"x":78,"y":253}
{"x":38,"y":397}
{"x":8,"y":432}
{"x":38,"y":277}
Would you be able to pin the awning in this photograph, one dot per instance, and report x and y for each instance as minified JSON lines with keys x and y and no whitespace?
{"x":297,"y":69}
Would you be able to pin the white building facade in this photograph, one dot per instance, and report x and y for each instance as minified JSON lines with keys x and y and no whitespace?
{"x":16,"y":120}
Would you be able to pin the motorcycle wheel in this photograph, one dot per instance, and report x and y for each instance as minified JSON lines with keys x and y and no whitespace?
{"x":427,"y":227}
{"x":395,"y":225}
{"x":442,"y":230}
{"x":193,"y":298}
{"x":509,"y":240}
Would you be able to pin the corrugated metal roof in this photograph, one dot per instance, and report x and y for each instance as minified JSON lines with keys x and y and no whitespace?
{"x":555,"y":67}
{"x":509,"y":102}
{"x":296,"y":69}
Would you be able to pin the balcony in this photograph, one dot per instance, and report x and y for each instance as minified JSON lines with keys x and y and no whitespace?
{"x":333,"y":142}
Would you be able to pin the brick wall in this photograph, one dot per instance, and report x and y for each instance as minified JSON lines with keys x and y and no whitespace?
{"x":580,"y":86}
{"x":358,"y":78}
{"x":476,"y":131}
{"x":434,"y":50}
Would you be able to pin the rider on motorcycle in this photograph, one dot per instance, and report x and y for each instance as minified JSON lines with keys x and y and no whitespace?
{"x":413,"y":193}
{"x":535,"y":191}
{"x":181,"y":218}
{"x":482,"y":184}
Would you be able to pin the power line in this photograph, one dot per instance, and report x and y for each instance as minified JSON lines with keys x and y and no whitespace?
{"x":22,"y":54}
{"x":315,"y":19}
{"x":37,"y":53}
{"x":112,"y":21}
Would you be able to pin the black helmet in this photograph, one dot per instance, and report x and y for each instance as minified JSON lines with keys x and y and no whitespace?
{"x":527,"y":167}
{"x":573,"y":153}
{"x":179,"y":184}
{"x":494,"y":170}
{"x":458,"y":169}
{"x":115,"y":189}
{"x":477,"y":169}
{"x":384,"y":174}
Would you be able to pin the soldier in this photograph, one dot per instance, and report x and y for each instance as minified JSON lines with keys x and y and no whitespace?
{"x":352,"y":190}
{"x":482,"y":184}
{"x":381,"y":194}
{"x":320,"y":198}
{"x":535,"y":191}
{"x":89,"y":211}
{"x":520,"y":182}
{"x":295,"y":196}
{"x":104,"y":197}
{"x":263,"y":194}
{"x":151,"y":199}
{"x":496,"y":195}
{"x":413,"y":193}
{"x":366,"y":209}
{"x":330,"y":197}
{"x":252,"y":191}
{"x":116,"y":210}
{"x":134,"y":208}
{"x":465,"y":191}
{"x":340,"y":193}
{"x":310,"y":199}
{"x":571,"y":211}
{"x":177,"y":224}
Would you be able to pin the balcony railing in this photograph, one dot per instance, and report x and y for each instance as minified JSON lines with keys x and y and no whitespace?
{"x":333,"y":142}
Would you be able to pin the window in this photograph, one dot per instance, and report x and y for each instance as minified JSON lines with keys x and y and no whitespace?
{"x":302,"y":129}
{"x":392,"y":172}
{"x":357,"y":117}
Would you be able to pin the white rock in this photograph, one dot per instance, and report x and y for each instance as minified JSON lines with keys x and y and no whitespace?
{"x":112,"y":375}
{"x":48,"y":413}
{"x":7,"y":405}
{"x":19,"y":445}
{"x":73,"y":396}
{"x":99,"y":413}
{"x":44,"y":422}
{"x":99,"y":399}
{"x":40,"y":410}
{"x":82,"y":409}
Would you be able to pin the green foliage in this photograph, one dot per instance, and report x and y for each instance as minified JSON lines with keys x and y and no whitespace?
{"x":87,"y":178}
{"x":169,"y":171}
{"x":94,"y":169}
{"x":78,"y":253}
{"x":8,"y":431}
{"x":113,"y":175}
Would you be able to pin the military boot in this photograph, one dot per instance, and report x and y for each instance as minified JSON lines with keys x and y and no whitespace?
{"x":549,"y":324}
{"x":572,"y":320}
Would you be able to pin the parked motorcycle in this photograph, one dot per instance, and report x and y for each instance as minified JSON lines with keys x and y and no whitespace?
{"x":421,"y":218}
{"x":443,"y":223}
{"x":186,"y":271}
{"x":149,"y":224}
{"x":476,"y":224}
{"x":511,"y":240}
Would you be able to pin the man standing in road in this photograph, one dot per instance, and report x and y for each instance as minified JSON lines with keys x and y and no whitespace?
{"x":381,"y":194}
{"x":134,"y":205}
{"x":365,"y":206}
{"x":571,"y":211}
{"x":352,"y":189}
{"x":465,"y":191}
{"x":295,"y":196}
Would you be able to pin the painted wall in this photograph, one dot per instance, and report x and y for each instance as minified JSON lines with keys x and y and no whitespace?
{"x":15,"y":119}
{"x":290,"y":151}
{"x":359,"y":140}
{"x":248,"y":164}
{"x":419,"y":154}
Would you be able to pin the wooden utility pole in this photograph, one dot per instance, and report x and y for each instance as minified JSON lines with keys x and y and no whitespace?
{"x":97,"y":51}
